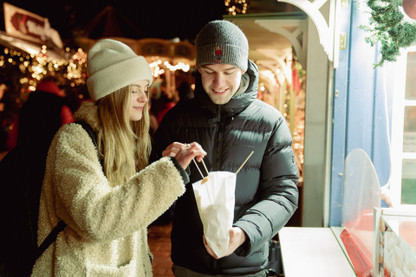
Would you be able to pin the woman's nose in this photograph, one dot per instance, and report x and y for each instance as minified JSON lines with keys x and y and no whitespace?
{"x":142,"y":96}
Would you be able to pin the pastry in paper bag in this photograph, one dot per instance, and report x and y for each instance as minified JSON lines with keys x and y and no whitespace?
{"x":215,"y":199}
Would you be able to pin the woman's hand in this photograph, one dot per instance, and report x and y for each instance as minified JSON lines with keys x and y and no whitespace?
{"x":184,"y":153}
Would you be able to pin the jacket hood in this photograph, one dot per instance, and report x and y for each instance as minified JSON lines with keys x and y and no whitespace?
{"x":238,"y":102}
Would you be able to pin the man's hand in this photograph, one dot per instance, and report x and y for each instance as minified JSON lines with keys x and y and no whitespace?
{"x":237,"y":238}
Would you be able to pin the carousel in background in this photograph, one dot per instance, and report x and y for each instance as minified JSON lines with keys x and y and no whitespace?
{"x":172,"y":61}
{"x":166,"y":57}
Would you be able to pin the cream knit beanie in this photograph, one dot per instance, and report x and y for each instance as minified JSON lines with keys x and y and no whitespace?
{"x":113,"y":65}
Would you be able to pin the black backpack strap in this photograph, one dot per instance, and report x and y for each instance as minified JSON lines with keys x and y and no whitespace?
{"x":89,"y":130}
{"x":61,"y":224}
{"x":92,"y":135}
{"x":50,"y":238}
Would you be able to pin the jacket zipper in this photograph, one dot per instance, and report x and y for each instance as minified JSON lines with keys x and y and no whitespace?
{"x":219,"y":138}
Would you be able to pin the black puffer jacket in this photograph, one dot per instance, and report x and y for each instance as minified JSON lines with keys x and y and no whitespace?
{"x":266,"y":193}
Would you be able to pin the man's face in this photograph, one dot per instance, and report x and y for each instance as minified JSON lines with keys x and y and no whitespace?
{"x":220,"y":81}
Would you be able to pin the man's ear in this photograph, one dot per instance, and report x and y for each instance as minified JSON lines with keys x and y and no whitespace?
{"x":200,"y":70}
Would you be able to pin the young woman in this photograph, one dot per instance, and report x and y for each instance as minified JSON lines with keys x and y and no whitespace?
{"x":107,"y":198}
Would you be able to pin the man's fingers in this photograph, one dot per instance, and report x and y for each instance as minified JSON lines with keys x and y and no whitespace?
{"x":209,"y":250}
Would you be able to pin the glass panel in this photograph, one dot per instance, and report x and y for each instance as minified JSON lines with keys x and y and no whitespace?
{"x":408,"y":193}
{"x":411,"y":76}
{"x":409,"y":130}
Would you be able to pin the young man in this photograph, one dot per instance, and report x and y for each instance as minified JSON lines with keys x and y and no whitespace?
{"x":229,"y":122}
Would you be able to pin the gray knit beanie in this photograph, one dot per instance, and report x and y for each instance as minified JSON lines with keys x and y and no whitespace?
{"x":221,"y":42}
{"x":113,"y":65}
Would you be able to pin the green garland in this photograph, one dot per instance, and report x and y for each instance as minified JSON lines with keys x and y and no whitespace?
{"x":388,"y":27}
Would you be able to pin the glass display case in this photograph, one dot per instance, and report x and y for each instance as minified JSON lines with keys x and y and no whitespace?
{"x":394,"y":245}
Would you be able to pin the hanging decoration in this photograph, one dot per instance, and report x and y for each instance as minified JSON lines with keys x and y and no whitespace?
{"x":389,"y":27}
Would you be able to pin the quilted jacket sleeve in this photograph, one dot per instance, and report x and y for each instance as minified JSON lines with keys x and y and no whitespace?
{"x":278,"y":193}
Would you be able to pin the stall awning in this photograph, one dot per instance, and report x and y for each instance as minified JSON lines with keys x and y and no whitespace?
{"x":28,"y":32}
{"x":28,"y":46}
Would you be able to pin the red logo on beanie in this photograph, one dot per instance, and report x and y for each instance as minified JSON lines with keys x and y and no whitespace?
{"x":218,"y":54}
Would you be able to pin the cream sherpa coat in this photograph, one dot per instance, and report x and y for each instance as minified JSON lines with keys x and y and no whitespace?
{"x":107,"y":226}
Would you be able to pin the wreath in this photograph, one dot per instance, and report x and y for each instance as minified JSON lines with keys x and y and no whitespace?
{"x":389,"y":28}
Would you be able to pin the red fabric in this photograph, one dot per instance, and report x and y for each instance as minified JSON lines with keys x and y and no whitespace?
{"x":295,"y":81}
{"x":11,"y":141}
{"x":357,"y":239}
{"x":49,"y":86}
{"x":66,"y":115}
{"x":165,"y":109}
{"x":360,"y":262}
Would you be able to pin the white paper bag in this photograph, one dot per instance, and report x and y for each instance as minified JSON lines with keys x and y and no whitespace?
{"x":215,"y":200}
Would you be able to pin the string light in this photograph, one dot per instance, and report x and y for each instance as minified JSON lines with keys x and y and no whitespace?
{"x":159,"y":67}
{"x":41,"y":64}
{"x":236,"y":6}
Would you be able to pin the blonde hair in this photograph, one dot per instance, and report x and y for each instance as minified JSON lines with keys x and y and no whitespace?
{"x":125,"y":144}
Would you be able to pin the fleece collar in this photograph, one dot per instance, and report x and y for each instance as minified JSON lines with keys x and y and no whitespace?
{"x":88,"y":112}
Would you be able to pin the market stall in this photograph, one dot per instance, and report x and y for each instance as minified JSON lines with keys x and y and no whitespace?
{"x":30,"y":50}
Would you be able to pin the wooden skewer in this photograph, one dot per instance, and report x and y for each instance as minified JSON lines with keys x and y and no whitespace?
{"x":205,"y":179}
{"x":238,"y":170}
{"x":200,"y":172}
{"x":206,"y":169}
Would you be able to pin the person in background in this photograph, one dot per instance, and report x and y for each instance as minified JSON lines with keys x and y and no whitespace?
{"x":3,"y":133}
{"x":108,"y":204}
{"x":227,"y":120}
{"x":153,"y":119}
{"x":185,"y":92}
{"x":45,"y":111}
{"x":23,"y":167}
{"x":10,"y":105}
{"x":162,"y":102}
{"x":40,"y":117}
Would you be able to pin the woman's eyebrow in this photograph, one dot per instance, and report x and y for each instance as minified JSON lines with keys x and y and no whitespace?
{"x":139,"y":86}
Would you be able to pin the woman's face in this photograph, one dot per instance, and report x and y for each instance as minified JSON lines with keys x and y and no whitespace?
{"x":139,"y":97}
